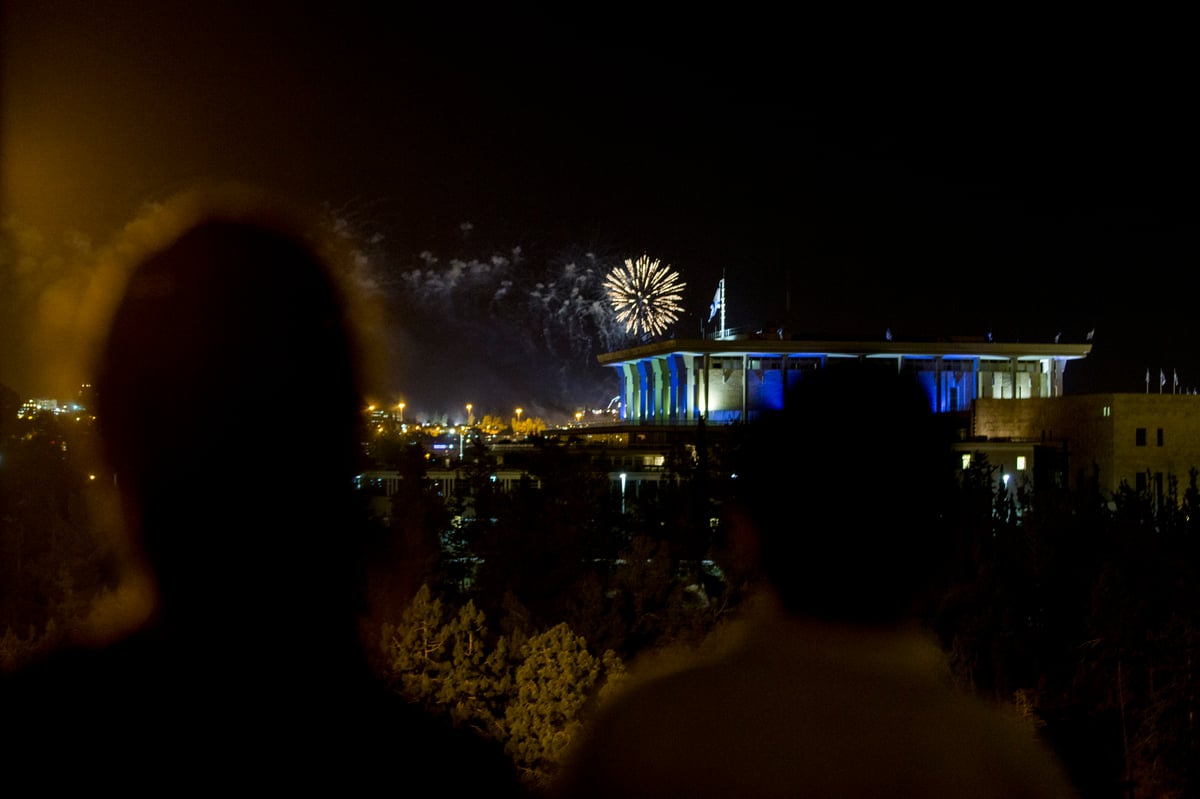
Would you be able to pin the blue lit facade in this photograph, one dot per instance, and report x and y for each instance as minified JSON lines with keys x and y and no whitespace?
{"x":727,"y":380}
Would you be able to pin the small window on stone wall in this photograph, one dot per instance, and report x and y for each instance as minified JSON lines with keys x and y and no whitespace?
{"x":1140,"y":437}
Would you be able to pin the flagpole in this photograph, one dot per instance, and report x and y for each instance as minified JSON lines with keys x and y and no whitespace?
{"x":722,"y":287}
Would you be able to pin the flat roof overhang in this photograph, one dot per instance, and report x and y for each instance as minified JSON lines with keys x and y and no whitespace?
{"x":985,"y":350}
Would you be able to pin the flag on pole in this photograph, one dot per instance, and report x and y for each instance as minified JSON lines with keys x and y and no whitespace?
{"x":1175,"y":377}
{"x":1147,"y":379}
{"x":716,"y":303}
{"x":1162,"y":380}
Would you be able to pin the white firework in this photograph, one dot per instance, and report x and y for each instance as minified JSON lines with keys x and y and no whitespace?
{"x":646,"y":295}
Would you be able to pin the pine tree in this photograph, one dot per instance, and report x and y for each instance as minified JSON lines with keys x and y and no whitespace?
{"x":477,"y":681}
{"x":416,"y":649}
{"x":554,"y":682}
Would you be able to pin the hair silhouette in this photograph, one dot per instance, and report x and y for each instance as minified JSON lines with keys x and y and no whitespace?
{"x":228,"y":406}
{"x":832,"y":485}
{"x":228,"y":399}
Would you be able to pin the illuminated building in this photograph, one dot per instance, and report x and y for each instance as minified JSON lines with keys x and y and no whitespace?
{"x":733,"y":379}
{"x":1005,"y":399}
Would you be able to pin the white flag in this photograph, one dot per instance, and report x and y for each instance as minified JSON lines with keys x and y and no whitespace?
{"x":1162,"y":378}
{"x":716,"y":304}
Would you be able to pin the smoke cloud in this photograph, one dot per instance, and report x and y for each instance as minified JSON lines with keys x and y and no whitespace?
{"x":499,"y":329}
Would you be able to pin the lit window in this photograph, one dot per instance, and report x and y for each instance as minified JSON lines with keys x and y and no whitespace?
{"x":1020,"y":463}
{"x":966,"y":460}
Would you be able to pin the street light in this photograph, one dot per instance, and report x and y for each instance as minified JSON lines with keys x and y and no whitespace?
{"x":401,"y":406}
{"x":470,"y":418}
{"x":518,"y":420}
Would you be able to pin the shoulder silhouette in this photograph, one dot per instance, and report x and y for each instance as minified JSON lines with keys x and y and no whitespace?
{"x":831,"y":689}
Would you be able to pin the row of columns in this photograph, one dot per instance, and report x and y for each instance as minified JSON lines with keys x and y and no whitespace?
{"x":668,"y":389}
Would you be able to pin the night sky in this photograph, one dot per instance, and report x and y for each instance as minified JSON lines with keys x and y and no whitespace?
{"x":941,"y":176}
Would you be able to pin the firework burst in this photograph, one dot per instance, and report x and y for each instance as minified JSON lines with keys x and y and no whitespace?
{"x":646,"y":296}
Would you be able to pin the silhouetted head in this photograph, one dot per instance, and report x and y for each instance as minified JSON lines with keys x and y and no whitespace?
{"x":843,"y":493}
{"x":228,"y":403}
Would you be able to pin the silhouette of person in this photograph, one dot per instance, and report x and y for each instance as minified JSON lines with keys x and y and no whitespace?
{"x":831,"y":688}
{"x":228,"y":400}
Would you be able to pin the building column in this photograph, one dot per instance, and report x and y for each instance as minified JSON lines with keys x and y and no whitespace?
{"x":745,"y":386}
{"x":648,"y":406}
{"x":661,"y":389}
{"x":678,"y":400}
{"x":631,"y":392}
{"x":939,"y":385}
{"x":689,"y":369}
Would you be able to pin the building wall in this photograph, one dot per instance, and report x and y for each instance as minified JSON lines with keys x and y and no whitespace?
{"x":1101,"y":431}
{"x":1178,"y":450}
{"x":1080,"y":423}
{"x":726,"y":383}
